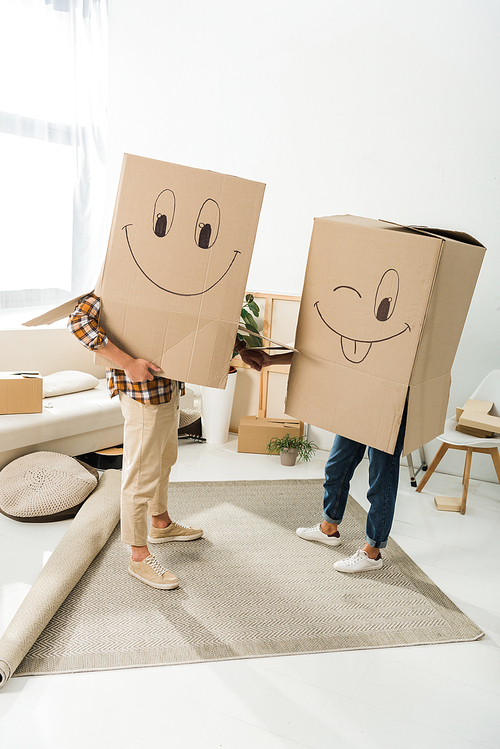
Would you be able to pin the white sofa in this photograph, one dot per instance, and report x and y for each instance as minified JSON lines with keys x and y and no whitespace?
{"x":71,"y":424}
{"x":75,"y":424}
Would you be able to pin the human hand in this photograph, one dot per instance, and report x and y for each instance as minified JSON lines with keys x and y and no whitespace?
{"x":138,"y":370}
{"x":253,"y":357}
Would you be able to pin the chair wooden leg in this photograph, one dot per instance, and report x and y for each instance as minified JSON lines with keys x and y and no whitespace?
{"x":435,"y":462}
{"x":495,"y":456}
{"x":468,"y":463}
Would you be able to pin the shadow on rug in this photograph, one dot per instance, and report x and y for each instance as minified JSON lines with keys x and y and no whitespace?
{"x":249,"y":588}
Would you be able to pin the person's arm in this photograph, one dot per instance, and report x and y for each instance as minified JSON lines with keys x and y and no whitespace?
{"x":84,"y":324}
{"x":137,"y":370}
{"x":257,"y":358}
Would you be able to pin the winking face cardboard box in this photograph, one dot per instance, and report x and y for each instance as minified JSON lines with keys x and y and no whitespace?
{"x":381,"y":314}
{"x":176,"y":267}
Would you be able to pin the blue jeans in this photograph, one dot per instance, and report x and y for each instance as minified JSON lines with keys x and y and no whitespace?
{"x":345,"y":456}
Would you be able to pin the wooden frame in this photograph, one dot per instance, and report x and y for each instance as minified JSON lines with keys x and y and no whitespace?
{"x":269,"y":300}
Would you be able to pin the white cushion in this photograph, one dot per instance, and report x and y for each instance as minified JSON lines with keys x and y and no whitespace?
{"x":69,"y":381}
{"x":42,"y":484}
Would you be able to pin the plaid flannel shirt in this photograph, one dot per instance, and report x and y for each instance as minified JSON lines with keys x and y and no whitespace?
{"x":84,"y":324}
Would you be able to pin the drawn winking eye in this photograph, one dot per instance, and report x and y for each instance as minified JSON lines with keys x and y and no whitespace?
{"x":207,"y":225}
{"x":387,"y":295}
{"x":163,"y":213}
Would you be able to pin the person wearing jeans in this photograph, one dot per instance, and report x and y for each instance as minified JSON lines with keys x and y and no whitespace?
{"x":383,"y":478}
{"x":345,"y":456}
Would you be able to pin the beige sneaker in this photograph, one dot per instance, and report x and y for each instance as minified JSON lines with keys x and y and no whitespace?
{"x":151,"y":572}
{"x":173,"y":532}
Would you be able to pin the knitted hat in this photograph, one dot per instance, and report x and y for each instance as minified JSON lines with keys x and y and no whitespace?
{"x":42,"y":487}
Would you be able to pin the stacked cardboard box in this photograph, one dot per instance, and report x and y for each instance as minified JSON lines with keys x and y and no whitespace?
{"x":255,"y":432}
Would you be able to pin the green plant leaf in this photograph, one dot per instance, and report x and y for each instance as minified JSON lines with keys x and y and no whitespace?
{"x":305,"y":447}
{"x":254,"y":307}
{"x":249,"y":321}
{"x":252,"y":341}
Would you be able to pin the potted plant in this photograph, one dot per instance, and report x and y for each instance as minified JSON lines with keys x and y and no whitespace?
{"x":250,"y":312}
{"x":292,"y":449}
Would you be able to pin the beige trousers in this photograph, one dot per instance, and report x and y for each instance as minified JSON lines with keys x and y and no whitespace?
{"x":149,"y":452}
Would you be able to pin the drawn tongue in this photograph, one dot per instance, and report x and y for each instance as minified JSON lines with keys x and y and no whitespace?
{"x":355,"y":351}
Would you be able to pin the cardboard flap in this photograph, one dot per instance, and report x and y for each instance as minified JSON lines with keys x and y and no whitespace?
{"x":482,"y":407}
{"x":58,"y":313}
{"x":480,"y":421}
{"x":457,"y":236}
{"x":427,"y":405}
{"x":288,"y":347}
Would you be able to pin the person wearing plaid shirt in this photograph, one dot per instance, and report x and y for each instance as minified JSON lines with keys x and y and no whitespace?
{"x":150,"y":407}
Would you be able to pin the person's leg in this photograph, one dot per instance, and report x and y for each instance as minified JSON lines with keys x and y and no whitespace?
{"x":163,"y":528}
{"x":382,"y":494}
{"x":145,"y":430}
{"x":157,"y":506}
{"x":344,"y":457}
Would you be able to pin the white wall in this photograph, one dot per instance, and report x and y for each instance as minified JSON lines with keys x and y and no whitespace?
{"x":372,"y":107}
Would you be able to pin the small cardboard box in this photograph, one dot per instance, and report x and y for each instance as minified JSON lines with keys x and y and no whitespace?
{"x":380,"y":319}
{"x":176,"y":268}
{"x":20,"y":394}
{"x":255,"y":432}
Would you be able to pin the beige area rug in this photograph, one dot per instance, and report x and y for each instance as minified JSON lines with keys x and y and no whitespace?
{"x":249,"y":588}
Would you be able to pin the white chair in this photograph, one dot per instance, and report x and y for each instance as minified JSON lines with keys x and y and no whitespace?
{"x":488,"y":390}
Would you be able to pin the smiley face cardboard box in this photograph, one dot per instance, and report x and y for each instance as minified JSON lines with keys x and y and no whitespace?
{"x":380,"y":319}
{"x":176,"y":267}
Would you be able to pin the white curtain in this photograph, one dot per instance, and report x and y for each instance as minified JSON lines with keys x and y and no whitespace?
{"x":53,"y":54}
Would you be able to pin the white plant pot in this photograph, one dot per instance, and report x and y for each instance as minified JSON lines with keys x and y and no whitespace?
{"x":216,"y":407}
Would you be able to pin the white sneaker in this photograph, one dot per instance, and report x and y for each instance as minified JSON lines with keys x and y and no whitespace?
{"x":359,"y":562}
{"x":316,"y":534}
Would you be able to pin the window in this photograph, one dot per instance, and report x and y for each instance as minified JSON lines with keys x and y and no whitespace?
{"x":53,"y":55}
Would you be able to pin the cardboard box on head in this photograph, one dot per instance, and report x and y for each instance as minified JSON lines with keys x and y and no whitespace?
{"x":176,"y":267}
{"x":381,"y":315}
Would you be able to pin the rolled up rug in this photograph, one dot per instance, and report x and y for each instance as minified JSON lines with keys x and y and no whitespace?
{"x":81,"y":543}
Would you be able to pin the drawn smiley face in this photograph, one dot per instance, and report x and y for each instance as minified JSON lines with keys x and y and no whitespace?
{"x":203,"y":236}
{"x":357,"y":312}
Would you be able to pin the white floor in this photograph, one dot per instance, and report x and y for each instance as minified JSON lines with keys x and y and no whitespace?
{"x":445,"y":696}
